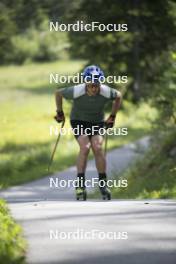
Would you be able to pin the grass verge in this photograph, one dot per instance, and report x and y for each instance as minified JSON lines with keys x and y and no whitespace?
{"x":12,"y":244}
{"x":153,"y":176}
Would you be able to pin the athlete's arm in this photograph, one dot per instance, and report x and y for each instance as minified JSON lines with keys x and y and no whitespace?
{"x":67,"y":93}
{"x":116,"y":104}
{"x":115,"y":107}
{"x":60,"y":117}
{"x":58,"y":98}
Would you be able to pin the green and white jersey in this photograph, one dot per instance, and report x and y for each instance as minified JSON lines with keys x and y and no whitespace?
{"x":85,"y":107}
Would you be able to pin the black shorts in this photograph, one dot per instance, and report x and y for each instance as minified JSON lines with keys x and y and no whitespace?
{"x":87,"y":128}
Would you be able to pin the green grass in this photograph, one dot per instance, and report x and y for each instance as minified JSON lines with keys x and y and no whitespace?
{"x":154,"y":176}
{"x":27,"y":110}
{"x":12,"y":244}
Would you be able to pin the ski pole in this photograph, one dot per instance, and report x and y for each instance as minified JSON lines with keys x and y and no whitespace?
{"x":106,"y":143}
{"x":54,"y":150}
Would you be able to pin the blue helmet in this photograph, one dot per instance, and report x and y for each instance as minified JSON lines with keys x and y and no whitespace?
{"x":93,"y":74}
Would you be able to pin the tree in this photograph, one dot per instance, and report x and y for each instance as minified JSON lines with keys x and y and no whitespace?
{"x":136,"y":53}
{"x":8,"y":29}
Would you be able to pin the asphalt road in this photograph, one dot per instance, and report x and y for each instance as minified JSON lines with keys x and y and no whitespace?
{"x":125,"y":232}
{"x":61,"y":230}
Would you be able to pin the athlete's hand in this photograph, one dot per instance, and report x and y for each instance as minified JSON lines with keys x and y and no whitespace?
{"x":60,"y":117}
{"x":109,"y":123}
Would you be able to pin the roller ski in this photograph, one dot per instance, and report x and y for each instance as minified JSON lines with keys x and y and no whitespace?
{"x":106,"y":193}
{"x":81,"y":194}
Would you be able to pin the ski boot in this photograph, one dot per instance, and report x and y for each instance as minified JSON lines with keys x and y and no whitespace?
{"x":81,"y":194}
{"x":105,"y":192}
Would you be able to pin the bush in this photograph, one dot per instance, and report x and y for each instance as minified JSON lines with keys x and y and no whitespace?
{"x":24,"y":49}
{"x":12,"y":245}
{"x":39,"y":45}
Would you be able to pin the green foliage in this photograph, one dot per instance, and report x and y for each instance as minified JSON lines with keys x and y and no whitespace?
{"x":7,"y":31}
{"x":136,"y":53}
{"x":39,"y":45}
{"x":25,"y":14}
{"x":12,"y":245}
{"x":154,"y":176}
{"x":15,"y":17}
{"x":163,"y":97}
{"x":24,"y":48}
{"x":25,"y":32}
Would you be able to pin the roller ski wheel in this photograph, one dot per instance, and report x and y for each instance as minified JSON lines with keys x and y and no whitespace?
{"x":81,"y":194}
{"x":105,"y":192}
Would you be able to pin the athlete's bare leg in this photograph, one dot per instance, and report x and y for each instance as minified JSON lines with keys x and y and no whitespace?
{"x":96,"y":144}
{"x":84,"y":145}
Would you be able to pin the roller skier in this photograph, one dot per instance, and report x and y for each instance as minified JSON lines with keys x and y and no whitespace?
{"x":89,"y":100}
